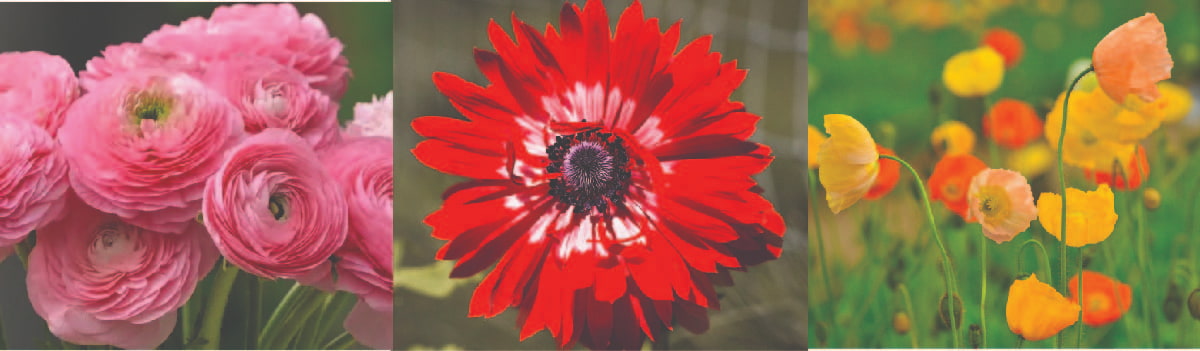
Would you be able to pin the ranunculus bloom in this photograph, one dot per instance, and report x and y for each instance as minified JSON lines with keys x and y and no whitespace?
{"x":372,"y":118}
{"x":271,"y":95}
{"x":1007,"y":43}
{"x":273,"y":210}
{"x":1176,"y":100}
{"x":849,"y":162}
{"x":1035,"y":311}
{"x":951,"y":179}
{"x":37,"y":87}
{"x":98,"y":280}
{"x":1123,"y":177}
{"x":33,"y":184}
{"x":275,"y":31}
{"x":610,"y":179}
{"x":1132,"y":58}
{"x":126,"y":57}
{"x":1082,"y":147}
{"x":974,"y":73}
{"x":889,"y":175}
{"x":369,"y":326}
{"x":1012,"y":124}
{"x":815,"y":139}
{"x":953,"y":138}
{"x":1090,"y":215}
{"x":362,"y":166}
{"x":142,"y":144}
{"x":1002,"y":201}
{"x":1104,"y":299}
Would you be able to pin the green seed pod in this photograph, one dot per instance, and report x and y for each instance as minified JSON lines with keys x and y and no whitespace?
{"x":944,"y":305}
{"x":976,"y":335}
{"x":1194,"y":303}
{"x":1173,"y":304}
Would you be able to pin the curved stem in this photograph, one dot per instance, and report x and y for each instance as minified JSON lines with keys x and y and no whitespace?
{"x":983,"y":291}
{"x":1045,"y":258}
{"x":948,"y":271}
{"x":214,"y":312}
{"x":912,"y":327}
{"x":1062,"y":185}
{"x":812,"y":201}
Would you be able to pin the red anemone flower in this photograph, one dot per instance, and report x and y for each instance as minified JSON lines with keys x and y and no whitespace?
{"x":610,"y":179}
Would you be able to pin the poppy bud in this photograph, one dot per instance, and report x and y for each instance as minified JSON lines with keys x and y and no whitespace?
{"x":1173,"y":304}
{"x":976,"y":335}
{"x":901,"y":323}
{"x":1151,"y":198}
{"x":1194,"y":303}
{"x":944,"y":305}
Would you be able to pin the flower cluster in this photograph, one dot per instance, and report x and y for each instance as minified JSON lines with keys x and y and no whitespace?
{"x":217,"y":137}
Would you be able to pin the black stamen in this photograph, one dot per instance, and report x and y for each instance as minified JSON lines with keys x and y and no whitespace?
{"x":593,"y":168}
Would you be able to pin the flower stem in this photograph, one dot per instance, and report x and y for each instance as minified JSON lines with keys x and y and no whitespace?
{"x":912,"y":317}
{"x":983,"y":290}
{"x":812,"y":195}
{"x":214,"y":311}
{"x":1062,"y":185}
{"x":342,"y":342}
{"x":24,"y":247}
{"x":1045,"y":258}
{"x":948,"y":270}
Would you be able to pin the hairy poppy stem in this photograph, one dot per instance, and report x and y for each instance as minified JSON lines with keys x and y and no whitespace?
{"x":812,"y":200}
{"x":908,"y":307}
{"x":1062,"y":185}
{"x":948,"y":270}
{"x":983,"y":290}
{"x":1044,"y":258}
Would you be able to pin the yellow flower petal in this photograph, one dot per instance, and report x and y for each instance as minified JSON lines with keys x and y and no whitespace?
{"x":1090,"y":215}
{"x":1083,"y":147}
{"x":974,"y":73}
{"x":1176,"y":100}
{"x":956,"y":137}
{"x":1036,"y":311}
{"x":1032,"y":160}
{"x":849,"y":161}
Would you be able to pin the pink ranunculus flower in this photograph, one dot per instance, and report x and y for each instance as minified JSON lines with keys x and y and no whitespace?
{"x":33,"y":184}
{"x":118,"y":59}
{"x":37,"y":87}
{"x":372,"y":118}
{"x":274,"y":211}
{"x":271,"y":95}
{"x":362,"y":166}
{"x":370,"y":326}
{"x":276,"y":31}
{"x":98,"y":280}
{"x":142,"y":144}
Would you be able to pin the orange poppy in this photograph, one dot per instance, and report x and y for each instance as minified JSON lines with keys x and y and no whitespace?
{"x":1132,"y":58}
{"x":1007,"y":43}
{"x":1012,"y":124}
{"x":1105,"y":299}
{"x":889,"y":175}
{"x":1129,"y":177}
{"x":951,"y":179}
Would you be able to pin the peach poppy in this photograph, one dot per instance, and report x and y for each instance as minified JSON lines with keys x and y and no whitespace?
{"x":1128,"y":177}
{"x":1035,"y":311}
{"x":849,"y":161}
{"x":951,"y":179}
{"x":1090,"y":215}
{"x":1002,"y":201}
{"x":1132,"y":58}
{"x":1007,"y":43}
{"x":889,"y":175}
{"x":1104,"y":299}
{"x":1012,"y":123}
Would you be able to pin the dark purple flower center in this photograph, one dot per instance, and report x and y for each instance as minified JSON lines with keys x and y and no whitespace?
{"x":593,"y":169}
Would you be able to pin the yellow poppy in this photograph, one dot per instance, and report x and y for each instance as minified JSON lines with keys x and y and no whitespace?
{"x":954,"y":138}
{"x":974,"y":73}
{"x":815,"y":138}
{"x":1128,"y":123}
{"x":1177,"y":101}
{"x":849,"y":161}
{"x":1032,"y":160}
{"x":1090,"y":215}
{"x":1083,"y":147}
{"x":1036,"y":311}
